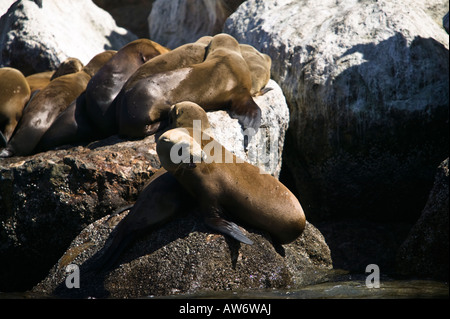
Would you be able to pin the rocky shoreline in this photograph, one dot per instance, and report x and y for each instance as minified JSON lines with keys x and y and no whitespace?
{"x":359,"y":111}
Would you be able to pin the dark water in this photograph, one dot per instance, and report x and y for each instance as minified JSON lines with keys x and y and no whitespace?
{"x":349,"y":287}
{"x":390,"y":289}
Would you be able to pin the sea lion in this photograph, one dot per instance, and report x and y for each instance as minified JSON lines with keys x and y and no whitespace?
{"x":104,"y":86}
{"x":48,"y":103}
{"x":222,"y":80}
{"x":68,"y":66}
{"x":14,"y":94}
{"x":40,"y":80}
{"x":72,"y":126}
{"x":259,"y":65}
{"x":223,"y":184}
{"x":180,"y":57}
{"x":161,"y":200}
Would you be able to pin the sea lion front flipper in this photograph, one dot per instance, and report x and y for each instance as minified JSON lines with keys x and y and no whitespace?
{"x":226,"y":227}
{"x":247,"y":112}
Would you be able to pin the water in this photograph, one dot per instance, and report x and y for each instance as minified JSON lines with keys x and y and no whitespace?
{"x":357,"y":289}
{"x":345,"y":287}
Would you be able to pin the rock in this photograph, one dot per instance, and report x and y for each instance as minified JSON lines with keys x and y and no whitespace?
{"x":436,"y":9}
{"x":356,"y":243}
{"x":184,"y":256}
{"x":4,"y":6}
{"x":367,"y":89}
{"x":266,"y":147}
{"x":173,"y":23}
{"x":130,"y":14}
{"x":48,"y":198}
{"x":35,"y":39}
{"x":425,"y":252}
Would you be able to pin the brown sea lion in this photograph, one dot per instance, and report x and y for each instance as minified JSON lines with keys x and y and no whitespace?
{"x":221,"y":81}
{"x":14,"y":94}
{"x":161,"y":200}
{"x":223,"y":184}
{"x":72,"y":126}
{"x":259,"y":65}
{"x":48,"y":103}
{"x":68,"y":66}
{"x":180,"y":57}
{"x":104,"y":86}
{"x":40,"y":80}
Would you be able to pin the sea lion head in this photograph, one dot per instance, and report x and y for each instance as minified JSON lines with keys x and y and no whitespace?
{"x":144,"y":49}
{"x":98,"y":61}
{"x":184,"y":114}
{"x":177,"y":149}
{"x":223,"y":41}
{"x":68,"y":66}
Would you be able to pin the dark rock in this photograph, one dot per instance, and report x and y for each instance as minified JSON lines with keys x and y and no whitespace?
{"x":356,"y":243}
{"x":48,"y":198}
{"x":445,"y":23}
{"x":184,"y":256}
{"x":425,"y":253}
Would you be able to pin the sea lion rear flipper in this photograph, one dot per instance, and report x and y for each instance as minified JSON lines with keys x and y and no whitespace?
{"x":228,"y":228}
{"x":247,"y":112}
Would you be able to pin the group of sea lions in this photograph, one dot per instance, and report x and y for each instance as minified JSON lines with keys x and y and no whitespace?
{"x":144,"y":88}
{"x":129,"y":92}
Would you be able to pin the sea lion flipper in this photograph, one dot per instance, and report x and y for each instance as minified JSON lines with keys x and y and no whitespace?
{"x":3,"y":141}
{"x":247,"y":112}
{"x":228,"y":228}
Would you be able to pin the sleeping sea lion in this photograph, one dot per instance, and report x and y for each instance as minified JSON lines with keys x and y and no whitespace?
{"x":40,"y":80}
{"x":259,"y":65}
{"x":222,"y":80}
{"x":14,"y":94}
{"x":104,"y":86}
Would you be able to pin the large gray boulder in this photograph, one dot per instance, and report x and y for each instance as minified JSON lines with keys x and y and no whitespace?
{"x":4,"y":6}
{"x":367,"y":87}
{"x":48,"y":198}
{"x":173,"y":23}
{"x":36,"y":38}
